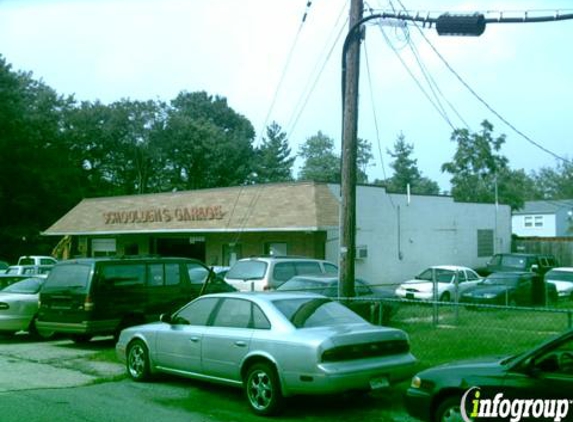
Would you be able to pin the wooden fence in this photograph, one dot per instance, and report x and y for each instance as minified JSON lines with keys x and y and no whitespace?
{"x":560,"y":247}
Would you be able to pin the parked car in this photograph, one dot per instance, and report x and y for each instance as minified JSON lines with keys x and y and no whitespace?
{"x":540,"y":263}
{"x":367,"y":304}
{"x":101,"y":296}
{"x":8,"y":279}
{"x":37,"y":260}
{"x":450,"y":280}
{"x":562,"y":279}
{"x":19,"y":307}
{"x":268,"y":273}
{"x":272,"y":344}
{"x":510,"y":289}
{"x":543,"y":373}
{"x":28,"y":270}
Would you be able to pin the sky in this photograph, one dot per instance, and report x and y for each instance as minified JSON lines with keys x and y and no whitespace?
{"x":272,"y":66}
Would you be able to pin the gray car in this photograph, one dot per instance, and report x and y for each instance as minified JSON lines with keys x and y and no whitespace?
{"x":273,"y":345}
{"x":19,"y":307}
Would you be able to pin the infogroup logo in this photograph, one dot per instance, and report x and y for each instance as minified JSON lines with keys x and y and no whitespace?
{"x":514,"y":410}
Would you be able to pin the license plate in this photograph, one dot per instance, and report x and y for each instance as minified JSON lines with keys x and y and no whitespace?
{"x":379,"y":382}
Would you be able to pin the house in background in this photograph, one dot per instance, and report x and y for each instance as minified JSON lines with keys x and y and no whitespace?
{"x":553,"y":218}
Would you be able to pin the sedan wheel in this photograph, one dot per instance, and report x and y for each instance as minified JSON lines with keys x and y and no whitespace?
{"x":449,"y":411}
{"x":262,"y":389}
{"x":39,"y":334}
{"x":138,"y":361}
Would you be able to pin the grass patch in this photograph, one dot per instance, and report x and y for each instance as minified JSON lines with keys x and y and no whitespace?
{"x":451,"y":334}
{"x":105,"y":355}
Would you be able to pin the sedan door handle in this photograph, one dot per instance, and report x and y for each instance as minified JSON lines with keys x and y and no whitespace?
{"x":240,"y":343}
{"x":194,"y":339}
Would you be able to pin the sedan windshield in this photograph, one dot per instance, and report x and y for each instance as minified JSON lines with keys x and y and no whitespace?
{"x":500,"y":280}
{"x":442,"y":275}
{"x":26,"y":286}
{"x":557,"y":275}
{"x":297,"y":284}
{"x":315,"y":312}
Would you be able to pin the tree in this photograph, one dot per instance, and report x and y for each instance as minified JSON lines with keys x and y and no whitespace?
{"x":206,"y":144}
{"x":273,"y":158}
{"x":554,"y":183}
{"x":320,"y":161}
{"x":363,"y":158}
{"x":322,"y":164}
{"x":406,"y":171}
{"x":36,"y":180}
{"x":116,"y":146}
{"x":477,"y":168}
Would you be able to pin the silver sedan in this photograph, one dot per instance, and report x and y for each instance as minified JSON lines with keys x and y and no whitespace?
{"x":271,"y":344}
{"x":19,"y":307}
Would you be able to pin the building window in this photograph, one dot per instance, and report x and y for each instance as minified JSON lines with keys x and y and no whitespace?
{"x":232,"y":252}
{"x":531,"y":221}
{"x":276,"y":249}
{"x":104,"y":247}
{"x":485,"y":243}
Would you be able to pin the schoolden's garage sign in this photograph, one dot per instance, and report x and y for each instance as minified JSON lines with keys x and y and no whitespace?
{"x":164,"y":215}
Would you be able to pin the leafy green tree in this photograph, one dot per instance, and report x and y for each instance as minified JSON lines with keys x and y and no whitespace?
{"x":115,"y":145}
{"x":273,"y":158}
{"x":363,"y":158}
{"x":36,"y":180}
{"x":205,"y":143}
{"x":478,"y":167}
{"x":406,"y":171}
{"x":322,"y":164}
{"x":554,"y":183}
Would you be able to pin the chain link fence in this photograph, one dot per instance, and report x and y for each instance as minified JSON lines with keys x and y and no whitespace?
{"x":445,"y":331}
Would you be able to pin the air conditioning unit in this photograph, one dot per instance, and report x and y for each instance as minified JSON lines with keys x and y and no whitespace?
{"x":362,"y":252}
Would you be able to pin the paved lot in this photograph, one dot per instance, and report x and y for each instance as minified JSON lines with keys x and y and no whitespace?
{"x":27,"y":365}
{"x":59,"y":380}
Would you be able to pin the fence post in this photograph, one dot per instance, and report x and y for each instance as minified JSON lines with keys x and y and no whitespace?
{"x":435,"y":316}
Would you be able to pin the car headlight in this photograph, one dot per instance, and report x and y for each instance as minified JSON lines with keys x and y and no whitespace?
{"x":416,"y":382}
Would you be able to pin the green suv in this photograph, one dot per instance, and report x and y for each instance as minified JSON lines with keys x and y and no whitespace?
{"x":101,"y":296}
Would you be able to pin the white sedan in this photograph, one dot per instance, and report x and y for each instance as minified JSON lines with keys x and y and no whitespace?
{"x":450,"y":280}
{"x":271,"y":344}
{"x":562,"y":278}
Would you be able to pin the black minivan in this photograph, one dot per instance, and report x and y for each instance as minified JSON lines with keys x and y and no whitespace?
{"x":101,"y":296}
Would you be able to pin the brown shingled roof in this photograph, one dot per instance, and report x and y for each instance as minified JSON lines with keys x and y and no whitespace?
{"x":277,"y":207}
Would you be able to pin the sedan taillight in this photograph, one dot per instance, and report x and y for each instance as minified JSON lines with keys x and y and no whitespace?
{"x":366,"y":350}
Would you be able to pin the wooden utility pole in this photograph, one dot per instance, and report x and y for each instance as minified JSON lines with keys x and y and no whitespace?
{"x":350,"y":77}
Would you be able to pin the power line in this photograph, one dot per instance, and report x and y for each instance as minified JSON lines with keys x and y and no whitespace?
{"x":312,"y":82}
{"x":524,"y":17}
{"x":417,"y":82}
{"x":378,"y":143}
{"x":488,"y":106}
{"x":285,"y":68}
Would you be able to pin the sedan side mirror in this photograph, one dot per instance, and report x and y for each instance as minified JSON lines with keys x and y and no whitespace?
{"x":165,"y":318}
